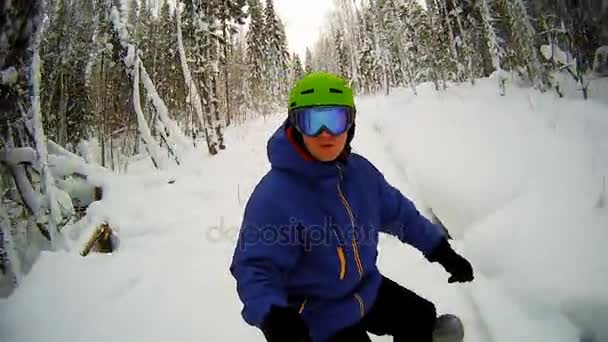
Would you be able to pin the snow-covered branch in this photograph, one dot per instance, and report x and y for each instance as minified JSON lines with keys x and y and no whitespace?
{"x":134,"y":66}
{"x":16,"y":156}
{"x":193,"y":94}
{"x":47,"y":182}
{"x":175,"y":133}
{"x":153,"y":148}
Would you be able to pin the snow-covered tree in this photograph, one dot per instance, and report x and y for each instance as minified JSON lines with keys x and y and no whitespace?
{"x":67,"y":33}
{"x":109,"y":90}
{"x":193,"y":27}
{"x":464,"y":41}
{"x":297,"y":70}
{"x":496,"y":50}
{"x":237,"y":78}
{"x":166,"y":67}
{"x":342,"y":52}
{"x":308,"y":62}
{"x":277,"y":56}
{"x":256,"y":54}
{"x":133,"y":18}
{"x":348,"y":23}
{"x":231,"y":15}
{"x":369,"y":61}
{"x":33,"y":219}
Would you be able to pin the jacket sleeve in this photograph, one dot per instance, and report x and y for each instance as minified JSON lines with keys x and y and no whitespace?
{"x":400,"y":218}
{"x":264,"y":253}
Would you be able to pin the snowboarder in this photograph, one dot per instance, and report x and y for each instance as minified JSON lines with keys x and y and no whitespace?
{"x":305,"y":261}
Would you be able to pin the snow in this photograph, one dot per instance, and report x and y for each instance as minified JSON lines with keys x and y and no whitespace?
{"x":600,"y":63}
{"x":16,"y":156}
{"x":119,"y":26}
{"x":553,"y":53}
{"x":8,"y":256}
{"x":9,"y":76}
{"x":516,"y":179}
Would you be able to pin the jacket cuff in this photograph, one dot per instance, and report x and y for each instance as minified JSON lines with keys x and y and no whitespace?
{"x":441,"y":252}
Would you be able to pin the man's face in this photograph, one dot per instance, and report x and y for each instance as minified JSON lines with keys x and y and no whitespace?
{"x":325,"y":147}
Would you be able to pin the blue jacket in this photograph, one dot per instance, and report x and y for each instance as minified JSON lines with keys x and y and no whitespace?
{"x":309,"y":237}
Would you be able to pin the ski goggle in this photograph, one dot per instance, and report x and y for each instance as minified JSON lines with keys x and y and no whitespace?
{"x":311,"y":121}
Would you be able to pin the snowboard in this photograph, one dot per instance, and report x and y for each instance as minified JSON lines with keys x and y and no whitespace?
{"x":448,"y":328}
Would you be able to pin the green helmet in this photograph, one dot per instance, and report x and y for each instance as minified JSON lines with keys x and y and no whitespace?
{"x":320,"y":89}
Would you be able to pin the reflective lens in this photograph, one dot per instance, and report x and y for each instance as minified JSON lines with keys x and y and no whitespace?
{"x":311,"y":121}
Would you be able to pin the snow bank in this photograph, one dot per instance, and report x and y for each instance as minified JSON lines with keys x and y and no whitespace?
{"x":519,"y":181}
{"x":169,"y":278}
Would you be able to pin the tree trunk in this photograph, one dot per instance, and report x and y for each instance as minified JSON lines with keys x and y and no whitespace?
{"x":193,"y":94}
{"x":62,"y":136}
{"x":226,"y":71}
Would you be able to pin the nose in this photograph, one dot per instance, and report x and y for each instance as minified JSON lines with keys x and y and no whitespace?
{"x":324,"y":134}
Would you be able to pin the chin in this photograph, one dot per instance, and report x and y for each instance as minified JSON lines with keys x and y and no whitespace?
{"x":328,"y":158}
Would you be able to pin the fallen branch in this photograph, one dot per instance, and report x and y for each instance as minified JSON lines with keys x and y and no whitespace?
{"x":100,"y":241}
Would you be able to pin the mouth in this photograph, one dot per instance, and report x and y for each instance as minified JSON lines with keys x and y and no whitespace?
{"x":327,"y":145}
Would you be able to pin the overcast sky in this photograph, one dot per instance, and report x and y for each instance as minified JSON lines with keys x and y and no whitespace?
{"x":303,"y":20}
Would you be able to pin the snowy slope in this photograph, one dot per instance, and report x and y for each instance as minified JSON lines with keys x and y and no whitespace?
{"x":520,"y":181}
{"x":517,"y":180}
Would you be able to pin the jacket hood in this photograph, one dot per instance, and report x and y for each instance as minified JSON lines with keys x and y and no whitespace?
{"x":285,"y":154}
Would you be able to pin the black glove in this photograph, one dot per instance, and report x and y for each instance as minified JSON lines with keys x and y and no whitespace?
{"x":285,"y":325}
{"x":456,"y":265}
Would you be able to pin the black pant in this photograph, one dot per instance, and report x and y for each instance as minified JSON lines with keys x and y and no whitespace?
{"x":397,"y":312}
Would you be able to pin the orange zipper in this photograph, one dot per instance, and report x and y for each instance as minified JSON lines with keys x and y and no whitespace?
{"x":302,"y":306}
{"x":342,"y":258}
{"x":352,"y":221}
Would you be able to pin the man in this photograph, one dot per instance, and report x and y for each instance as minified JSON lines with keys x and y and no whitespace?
{"x":305,"y":263}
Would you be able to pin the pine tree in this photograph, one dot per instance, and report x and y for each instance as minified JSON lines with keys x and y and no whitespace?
{"x":231,"y":14}
{"x":496,"y":50}
{"x":146,"y":39}
{"x":194,"y":45}
{"x":167,"y":73}
{"x":349,"y":25}
{"x":413,"y":22}
{"x":455,"y":69}
{"x":32,"y":188}
{"x":256,"y":42}
{"x":213,"y":70}
{"x":68,"y":33}
{"x":277,"y":56}
{"x":443,"y":61}
{"x":369,"y":62}
{"x":342,"y":53}
{"x":308,"y":62}
{"x":108,"y":86}
{"x":524,"y":41}
{"x":464,"y":42}
{"x":474,"y":25}
{"x":380,"y":39}
{"x":133,"y":19}
{"x":425,"y":41}
{"x":399,"y":46}
{"x":297,"y":71}
{"x":237,"y":83}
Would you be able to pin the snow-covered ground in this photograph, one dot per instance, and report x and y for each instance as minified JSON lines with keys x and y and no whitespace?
{"x":520,"y":182}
